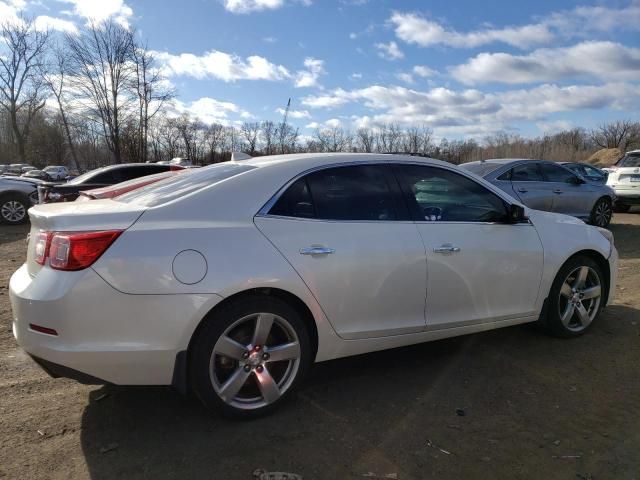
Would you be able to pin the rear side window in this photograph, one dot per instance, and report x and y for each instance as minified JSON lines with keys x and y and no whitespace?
{"x":358,"y":192}
{"x":178,"y":186}
{"x":527,"y":172}
{"x":630,"y":161}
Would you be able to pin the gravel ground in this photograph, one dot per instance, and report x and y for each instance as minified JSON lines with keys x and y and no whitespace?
{"x":511,"y":403}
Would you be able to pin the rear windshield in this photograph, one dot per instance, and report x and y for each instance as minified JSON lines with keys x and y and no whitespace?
{"x":178,"y":186}
{"x":629,"y":161}
{"x":481,"y":168}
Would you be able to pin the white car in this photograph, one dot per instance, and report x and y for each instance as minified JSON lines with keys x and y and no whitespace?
{"x":624,"y":178}
{"x":231,"y":281}
{"x":56,"y":172}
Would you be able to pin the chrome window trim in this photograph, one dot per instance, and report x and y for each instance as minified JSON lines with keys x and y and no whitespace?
{"x":264,"y":211}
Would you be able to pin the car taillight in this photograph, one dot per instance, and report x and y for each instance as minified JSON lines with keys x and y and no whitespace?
{"x":41,"y":249}
{"x":73,"y":250}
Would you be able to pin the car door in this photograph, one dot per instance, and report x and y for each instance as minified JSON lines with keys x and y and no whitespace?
{"x":347,"y":233}
{"x":529,"y":186}
{"x":479,"y":267}
{"x":571,"y":195}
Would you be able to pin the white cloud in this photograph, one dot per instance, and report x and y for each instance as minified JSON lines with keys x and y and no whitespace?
{"x":221,"y":65}
{"x":422,"y":71}
{"x":100,"y":10}
{"x":44,"y":22}
{"x":415,"y":29}
{"x":208,"y":110}
{"x":554,"y":126}
{"x":389,"y":51}
{"x":295,"y":113}
{"x":309,"y":77}
{"x":355,"y":76}
{"x":587,"y":59}
{"x":249,"y":6}
{"x":405,"y":77}
{"x":471,"y":110}
{"x":331,"y":123}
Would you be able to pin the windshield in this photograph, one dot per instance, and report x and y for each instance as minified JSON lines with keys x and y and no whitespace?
{"x":481,"y":168}
{"x":181,"y":185}
{"x":629,"y":161}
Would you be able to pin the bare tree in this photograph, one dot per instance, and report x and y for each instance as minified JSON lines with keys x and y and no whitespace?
{"x":334,"y":139}
{"x":151,"y":91}
{"x":21,"y":88}
{"x":366,"y":139}
{"x":250,"y":132}
{"x":55,"y":78}
{"x":390,"y":135}
{"x":269,"y":135}
{"x":100,"y":66}
{"x":214,"y":136}
{"x":621,"y":134}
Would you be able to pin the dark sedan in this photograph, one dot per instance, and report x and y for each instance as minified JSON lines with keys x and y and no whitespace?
{"x":101,"y":177}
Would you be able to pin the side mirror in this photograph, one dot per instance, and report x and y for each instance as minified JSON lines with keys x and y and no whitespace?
{"x":516,"y":214}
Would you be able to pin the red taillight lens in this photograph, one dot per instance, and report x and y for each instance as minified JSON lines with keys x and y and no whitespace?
{"x":41,"y":250}
{"x":78,"y":250}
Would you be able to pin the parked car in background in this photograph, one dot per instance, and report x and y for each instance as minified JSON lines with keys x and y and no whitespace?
{"x":624,"y":178}
{"x":231,"y":280}
{"x":548,"y":186}
{"x":4,"y":169}
{"x":124,"y":187}
{"x":17,"y":195}
{"x":57,"y":172}
{"x":183,"y":162}
{"x":27,"y":168}
{"x":100,"y":177}
{"x":588,"y":172}
{"x":39,"y":174}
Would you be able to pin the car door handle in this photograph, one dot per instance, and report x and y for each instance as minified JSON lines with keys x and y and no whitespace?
{"x":446,"y":248}
{"x":557,"y":190}
{"x":522,"y":190}
{"x":316,"y":251}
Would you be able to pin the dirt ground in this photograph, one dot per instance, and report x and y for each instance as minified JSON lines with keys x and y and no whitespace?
{"x":529,"y":406}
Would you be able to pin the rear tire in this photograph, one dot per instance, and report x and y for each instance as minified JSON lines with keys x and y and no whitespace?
{"x":249,"y":357}
{"x":576,"y":297}
{"x":13,"y":208}
{"x":601,"y":213}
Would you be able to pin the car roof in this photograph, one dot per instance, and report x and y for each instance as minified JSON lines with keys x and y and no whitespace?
{"x":311,"y":160}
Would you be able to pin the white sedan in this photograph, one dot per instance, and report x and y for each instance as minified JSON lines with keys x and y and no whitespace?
{"x":230,"y":282}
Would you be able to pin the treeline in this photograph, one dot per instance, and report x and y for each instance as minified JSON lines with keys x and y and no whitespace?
{"x":99,"y":98}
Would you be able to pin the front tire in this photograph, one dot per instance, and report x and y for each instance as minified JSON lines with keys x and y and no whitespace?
{"x":601,"y":213}
{"x":249,"y":357}
{"x":13,"y":209}
{"x":576,"y":297}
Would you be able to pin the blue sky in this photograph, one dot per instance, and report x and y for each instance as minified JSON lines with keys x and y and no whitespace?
{"x":462,"y":68}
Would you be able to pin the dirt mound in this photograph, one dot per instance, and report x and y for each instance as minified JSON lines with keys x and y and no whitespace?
{"x":605,"y":157}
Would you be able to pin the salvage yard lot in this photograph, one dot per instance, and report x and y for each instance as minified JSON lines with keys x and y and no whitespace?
{"x":511,"y":403}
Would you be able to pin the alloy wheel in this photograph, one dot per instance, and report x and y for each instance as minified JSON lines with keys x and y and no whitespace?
{"x":602,"y":213}
{"x":13,"y":211}
{"x":255,"y":361}
{"x":580,"y":297}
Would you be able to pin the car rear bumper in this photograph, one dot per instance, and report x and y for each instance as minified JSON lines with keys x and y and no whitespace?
{"x":613,"y":275}
{"x":102,"y":334}
{"x":628,"y":196}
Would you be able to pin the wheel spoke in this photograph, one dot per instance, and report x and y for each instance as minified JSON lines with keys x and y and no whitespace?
{"x":567,"y":314}
{"x":263,"y":327}
{"x":229,"y":348}
{"x":268,"y":388}
{"x":287,"y":351}
{"x":592,"y":292}
{"x":581,"y":278}
{"x":232,"y":386}
{"x":566,"y":290}
{"x":583,"y":315}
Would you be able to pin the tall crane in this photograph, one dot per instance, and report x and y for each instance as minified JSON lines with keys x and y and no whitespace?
{"x":283,"y":126}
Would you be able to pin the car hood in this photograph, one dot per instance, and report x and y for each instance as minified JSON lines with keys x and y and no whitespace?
{"x":19,"y":180}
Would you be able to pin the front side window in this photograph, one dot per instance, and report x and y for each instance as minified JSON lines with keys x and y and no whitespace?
{"x":526,"y":172}
{"x":358,"y":192}
{"x":556,"y":173}
{"x":438,"y":195}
